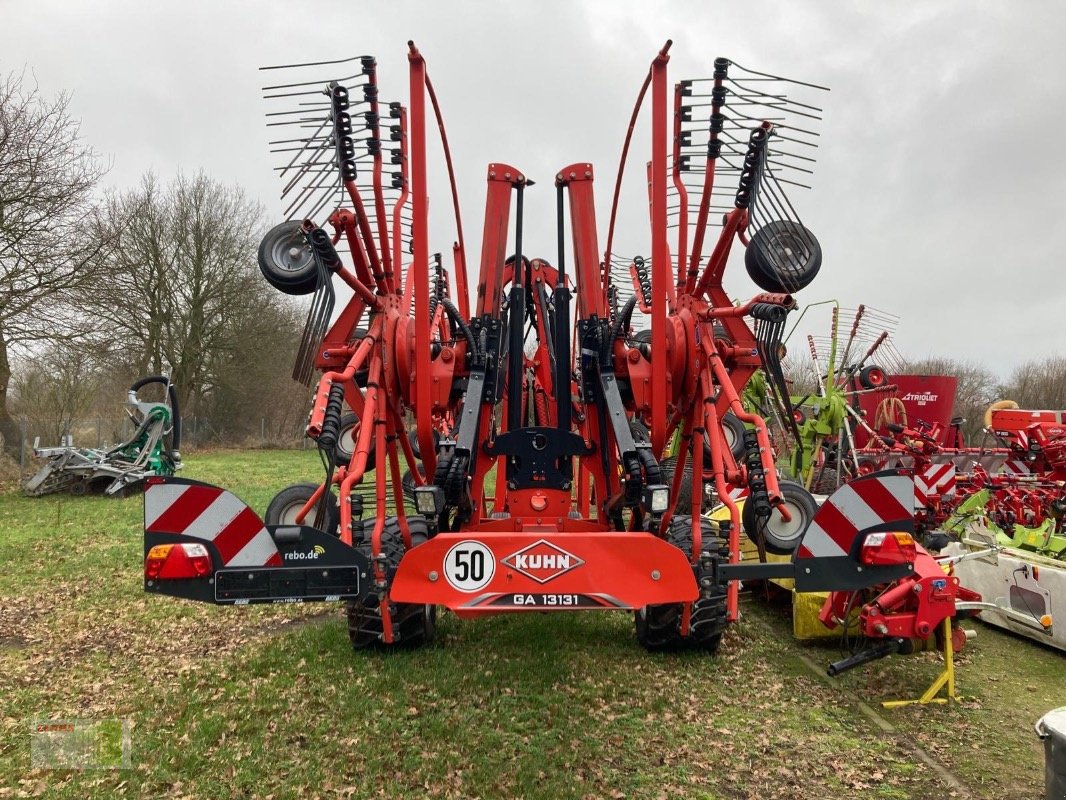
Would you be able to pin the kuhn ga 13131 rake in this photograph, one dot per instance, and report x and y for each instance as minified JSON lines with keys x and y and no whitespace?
{"x":532,"y":425}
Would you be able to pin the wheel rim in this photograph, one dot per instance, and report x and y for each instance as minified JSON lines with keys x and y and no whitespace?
{"x":289,"y":512}
{"x":346,"y":440}
{"x":787,"y":531}
{"x":786,"y":252}
{"x":729,"y":436}
{"x":290,"y":253}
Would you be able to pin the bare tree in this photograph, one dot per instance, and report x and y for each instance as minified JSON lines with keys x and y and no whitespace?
{"x":1038,"y":384}
{"x":55,"y":388}
{"x":976,"y":390}
{"x":47,"y":178}
{"x":184,"y":295}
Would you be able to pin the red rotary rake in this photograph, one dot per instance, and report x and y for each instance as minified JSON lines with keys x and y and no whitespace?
{"x":570,"y":419}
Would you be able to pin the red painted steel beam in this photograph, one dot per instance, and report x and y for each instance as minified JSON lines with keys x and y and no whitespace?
{"x":421,"y":374}
{"x":660,"y":263}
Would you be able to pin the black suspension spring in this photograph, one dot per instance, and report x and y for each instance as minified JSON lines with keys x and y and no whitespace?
{"x":757,"y":494}
{"x":641,"y":268}
{"x":331,"y":420}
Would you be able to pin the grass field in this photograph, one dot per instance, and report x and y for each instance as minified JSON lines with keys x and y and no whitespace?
{"x":272,"y":703}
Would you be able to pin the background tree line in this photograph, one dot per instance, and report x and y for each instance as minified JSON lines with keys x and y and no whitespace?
{"x":100,"y":288}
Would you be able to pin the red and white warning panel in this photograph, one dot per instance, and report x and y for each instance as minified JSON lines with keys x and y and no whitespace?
{"x":203,"y":543}
{"x":538,"y":571}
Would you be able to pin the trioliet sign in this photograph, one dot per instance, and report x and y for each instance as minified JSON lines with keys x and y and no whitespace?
{"x":929,"y":398}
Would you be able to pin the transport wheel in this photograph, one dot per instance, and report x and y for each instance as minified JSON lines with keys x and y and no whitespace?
{"x":872,"y":377}
{"x":287,"y":261}
{"x":407,"y":483}
{"x":345,"y":448}
{"x":412,"y":437}
{"x":783,"y":256}
{"x":288,"y":502}
{"x":414,"y":624}
{"x":779,"y":536}
{"x":683,"y":501}
{"x":733,"y":431}
{"x":659,"y":626}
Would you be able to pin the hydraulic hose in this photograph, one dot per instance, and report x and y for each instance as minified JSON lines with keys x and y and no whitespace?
{"x":172,"y":394}
{"x":460,"y":323}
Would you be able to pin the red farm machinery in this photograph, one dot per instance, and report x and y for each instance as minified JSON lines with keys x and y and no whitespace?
{"x":499,"y":446}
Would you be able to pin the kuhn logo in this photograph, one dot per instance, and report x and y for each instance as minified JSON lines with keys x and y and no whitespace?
{"x":921,"y":398}
{"x":315,"y":553}
{"x":542,"y":561}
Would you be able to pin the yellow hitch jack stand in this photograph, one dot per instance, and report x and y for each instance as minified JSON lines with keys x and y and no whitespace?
{"x":947,"y":677}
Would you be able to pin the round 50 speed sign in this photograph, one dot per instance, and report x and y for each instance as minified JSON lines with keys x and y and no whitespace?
{"x":469,"y":566}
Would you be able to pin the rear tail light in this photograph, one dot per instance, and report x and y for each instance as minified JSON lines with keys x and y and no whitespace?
{"x":882,"y":549}
{"x":176,"y":561}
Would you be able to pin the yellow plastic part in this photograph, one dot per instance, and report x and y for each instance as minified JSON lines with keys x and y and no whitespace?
{"x":946,"y":678}
{"x":995,"y":407}
{"x":805,"y":605}
{"x":805,"y":623}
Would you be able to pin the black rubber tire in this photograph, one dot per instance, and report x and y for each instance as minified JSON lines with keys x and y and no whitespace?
{"x":287,"y":260}
{"x":783,"y":540}
{"x":407,"y":484}
{"x":414,"y":624}
{"x":639,"y":431}
{"x":286,"y":503}
{"x":658,"y":627}
{"x":783,"y":256}
{"x":733,"y":430}
{"x":872,"y":377}
{"x":643,"y":342}
{"x":78,"y":488}
{"x":683,"y":500}
{"x":345,"y":448}
{"x":412,"y":437}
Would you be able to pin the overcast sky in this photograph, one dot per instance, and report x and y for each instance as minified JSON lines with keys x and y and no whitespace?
{"x":939,"y":193}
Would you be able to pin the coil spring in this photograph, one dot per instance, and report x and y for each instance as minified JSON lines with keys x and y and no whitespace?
{"x":331,"y":420}
{"x":437,"y":294}
{"x":757,"y":494}
{"x":641,"y":267}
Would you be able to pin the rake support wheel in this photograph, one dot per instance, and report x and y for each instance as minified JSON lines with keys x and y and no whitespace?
{"x":779,"y":536}
{"x":287,"y":260}
{"x":659,"y":627}
{"x":783,"y":256}
{"x":288,"y":502}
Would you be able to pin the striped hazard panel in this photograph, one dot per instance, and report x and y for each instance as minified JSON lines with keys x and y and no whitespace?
{"x":876,"y":501}
{"x":214,"y":515}
{"x":937,"y":480}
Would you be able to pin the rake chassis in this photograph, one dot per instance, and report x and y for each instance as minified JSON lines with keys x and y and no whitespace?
{"x":571,"y":417}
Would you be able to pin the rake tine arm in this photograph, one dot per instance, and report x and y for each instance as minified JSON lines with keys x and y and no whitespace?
{"x":713,"y":150}
{"x":682,"y":195}
{"x":371,"y":89}
{"x":860,"y":312}
{"x":711,"y":280}
{"x":366,"y":237}
{"x":401,"y":201}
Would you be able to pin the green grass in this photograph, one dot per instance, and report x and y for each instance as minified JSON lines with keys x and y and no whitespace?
{"x":271,"y":702}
